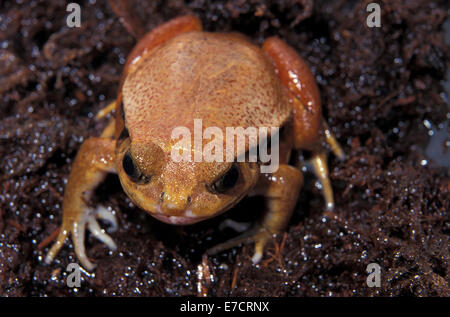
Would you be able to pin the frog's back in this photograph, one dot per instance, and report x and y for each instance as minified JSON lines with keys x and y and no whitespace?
{"x":220,"y":78}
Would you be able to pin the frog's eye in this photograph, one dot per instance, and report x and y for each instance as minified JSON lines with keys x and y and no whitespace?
{"x":132,"y":171}
{"x":226,"y":181}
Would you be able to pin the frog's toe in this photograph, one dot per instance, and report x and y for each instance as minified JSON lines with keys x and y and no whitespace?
{"x":235,"y":225}
{"x":95,"y":229}
{"x":108,"y":216}
{"x":78,"y":233}
{"x":63,"y":233}
{"x":261,"y":238}
{"x":257,"y":257}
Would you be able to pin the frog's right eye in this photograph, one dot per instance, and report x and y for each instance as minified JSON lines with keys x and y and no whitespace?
{"x":131,"y":170}
{"x":226,"y":181}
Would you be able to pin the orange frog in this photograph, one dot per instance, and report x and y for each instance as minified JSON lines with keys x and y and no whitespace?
{"x":177,"y":73}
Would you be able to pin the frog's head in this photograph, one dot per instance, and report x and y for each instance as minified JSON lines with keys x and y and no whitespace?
{"x":181,"y":192}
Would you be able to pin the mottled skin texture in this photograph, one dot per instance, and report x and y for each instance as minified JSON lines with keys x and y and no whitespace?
{"x":175,"y":74}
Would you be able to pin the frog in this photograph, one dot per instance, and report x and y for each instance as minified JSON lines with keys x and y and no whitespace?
{"x":177,"y":72}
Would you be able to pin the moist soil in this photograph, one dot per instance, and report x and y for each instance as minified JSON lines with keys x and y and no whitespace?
{"x":382,"y":95}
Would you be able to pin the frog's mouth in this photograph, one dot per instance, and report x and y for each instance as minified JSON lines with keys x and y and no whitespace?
{"x":178,"y":220}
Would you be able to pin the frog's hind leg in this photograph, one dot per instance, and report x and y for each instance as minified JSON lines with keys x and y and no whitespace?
{"x":310,"y":129}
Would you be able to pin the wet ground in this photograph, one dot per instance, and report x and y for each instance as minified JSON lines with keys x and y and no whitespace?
{"x":383,"y":97}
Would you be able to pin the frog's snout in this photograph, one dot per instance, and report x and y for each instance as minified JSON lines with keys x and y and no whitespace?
{"x":174,"y":204}
{"x":176,"y":209}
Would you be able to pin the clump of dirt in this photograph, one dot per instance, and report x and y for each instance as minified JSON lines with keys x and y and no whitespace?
{"x":379,"y":86}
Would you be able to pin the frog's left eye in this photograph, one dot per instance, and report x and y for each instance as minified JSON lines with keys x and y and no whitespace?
{"x":132,"y":171}
{"x":226,"y":181}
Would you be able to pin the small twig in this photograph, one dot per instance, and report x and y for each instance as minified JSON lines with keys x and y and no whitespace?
{"x":233,"y":282}
{"x":49,"y":239}
{"x":16,"y":225}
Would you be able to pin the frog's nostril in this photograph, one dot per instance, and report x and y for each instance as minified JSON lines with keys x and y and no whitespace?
{"x":189,"y":200}
{"x":161,"y":198}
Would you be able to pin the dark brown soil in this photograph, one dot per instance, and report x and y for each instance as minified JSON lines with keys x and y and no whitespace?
{"x":381,"y":90}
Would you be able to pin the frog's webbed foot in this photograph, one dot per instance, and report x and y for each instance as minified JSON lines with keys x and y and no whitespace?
{"x":77,"y":229}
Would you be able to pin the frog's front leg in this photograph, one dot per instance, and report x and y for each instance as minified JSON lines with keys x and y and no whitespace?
{"x":280,"y":190}
{"x":94,"y":160}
